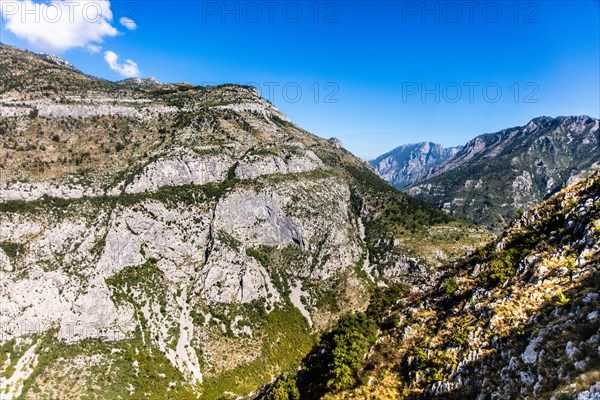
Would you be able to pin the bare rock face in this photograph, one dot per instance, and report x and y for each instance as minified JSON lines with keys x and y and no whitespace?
{"x":260,"y":106}
{"x":336,"y":143}
{"x":33,"y":191}
{"x":253,"y":166}
{"x":79,"y":304}
{"x":258,"y":219}
{"x":82,"y":111}
{"x":245,"y":282}
{"x":153,"y":231}
{"x":180,"y":171}
{"x":201,"y":249}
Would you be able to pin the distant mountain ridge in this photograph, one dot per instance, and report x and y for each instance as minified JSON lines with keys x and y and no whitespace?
{"x":410,"y":163}
{"x":496,"y":174}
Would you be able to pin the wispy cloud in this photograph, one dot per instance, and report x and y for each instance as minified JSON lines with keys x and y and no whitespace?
{"x":94,"y":48}
{"x":128,"y":23}
{"x":59,"y":25}
{"x":128,"y":69}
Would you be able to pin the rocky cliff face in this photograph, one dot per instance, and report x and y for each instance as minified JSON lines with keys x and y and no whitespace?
{"x":409,"y":164}
{"x":519,"y":318}
{"x":173,"y":240}
{"x":495,"y":175}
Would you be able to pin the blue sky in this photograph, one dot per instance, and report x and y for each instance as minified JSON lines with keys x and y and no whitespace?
{"x":374,"y":74}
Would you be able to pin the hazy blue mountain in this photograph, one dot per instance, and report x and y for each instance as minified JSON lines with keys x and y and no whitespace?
{"x":409,"y":164}
{"x":496,"y":174}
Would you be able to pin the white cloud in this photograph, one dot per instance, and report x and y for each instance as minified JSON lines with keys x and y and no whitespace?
{"x":94,"y":48}
{"x":129,"y":69}
{"x":59,"y":25}
{"x":128,"y":23}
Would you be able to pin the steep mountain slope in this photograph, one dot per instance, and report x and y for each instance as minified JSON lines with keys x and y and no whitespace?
{"x":409,"y":164}
{"x":169,"y":240}
{"x":516,"y":319}
{"x":495,"y":175}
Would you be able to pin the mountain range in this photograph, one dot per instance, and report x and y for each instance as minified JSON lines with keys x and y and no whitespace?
{"x":175,"y":241}
{"x":409,"y":164}
{"x":495,"y":176}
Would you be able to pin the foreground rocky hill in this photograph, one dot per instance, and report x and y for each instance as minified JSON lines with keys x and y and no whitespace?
{"x":496,"y":175}
{"x":409,"y":164}
{"x":516,"y":319}
{"x":175,"y":241}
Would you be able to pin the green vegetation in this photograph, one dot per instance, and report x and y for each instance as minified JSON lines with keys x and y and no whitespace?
{"x":397,"y":207}
{"x":460,"y":335}
{"x":170,"y":196}
{"x":285,"y":387}
{"x":99,"y":245}
{"x":10,"y":353}
{"x":146,"y":277}
{"x":259,"y":256}
{"x":450,"y":285}
{"x":352,"y":338}
{"x":560,"y":299}
{"x":383,"y":298}
{"x":333,"y":365}
{"x":228,"y":240}
{"x":597,"y":227}
{"x":287,"y":339}
{"x":397,"y":225}
{"x":21,"y":206}
{"x":500,"y":270}
{"x":275,"y":262}
{"x":12,"y":250}
{"x":571,"y":263}
{"x":359,"y":270}
{"x":328,"y":299}
{"x":110,"y":375}
{"x":484,"y":314}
